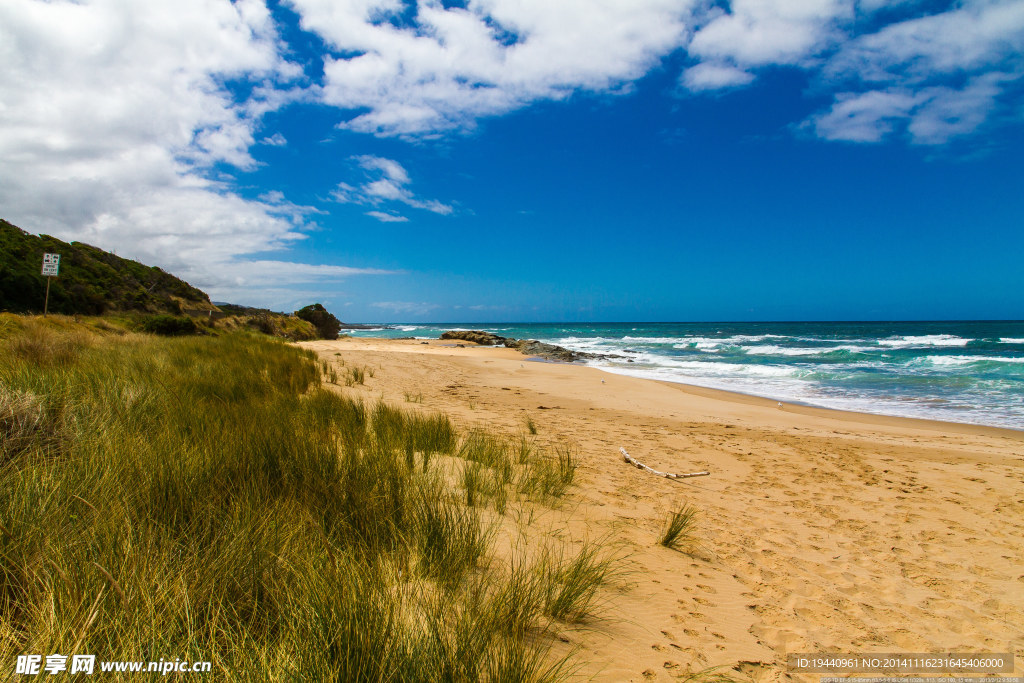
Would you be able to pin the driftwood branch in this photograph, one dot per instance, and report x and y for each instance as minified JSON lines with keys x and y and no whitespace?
{"x":668,"y":475}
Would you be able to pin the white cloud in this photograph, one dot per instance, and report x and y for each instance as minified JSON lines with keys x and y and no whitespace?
{"x":864,"y":117}
{"x":979,"y":36}
{"x":114,"y":114}
{"x":387,"y":217}
{"x":931,"y":115}
{"x":940,"y":76}
{"x":422,"y":70}
{"x":275,"y":140}
{"x":711,"y":76}
{"x":949,"y":112}
{"x":455,"y":65}
{"x":385,"y":181}
{"x":770,"y":32}
{"x":116,"y":124}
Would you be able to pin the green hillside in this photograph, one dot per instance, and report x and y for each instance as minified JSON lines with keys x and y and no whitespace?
{"x":91,"y":282}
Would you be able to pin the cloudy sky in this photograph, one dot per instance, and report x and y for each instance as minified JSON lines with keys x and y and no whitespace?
{"x":523,"y":160}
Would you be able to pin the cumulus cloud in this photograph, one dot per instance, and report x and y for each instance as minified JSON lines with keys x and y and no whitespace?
{"x":120,"y":121}
{"x":449,"y":66}
{"x":115,"y":117}
{"x":275,"y":140}
{"x":978,"y":36}
{"x":422,"y":69}
{"x":930,"y":115}
{"x":710,"y":76}
{"x":769,"y":32}
{"x":864,"y":117}
{"x":937,"y":76}
{"x":385,"y":181}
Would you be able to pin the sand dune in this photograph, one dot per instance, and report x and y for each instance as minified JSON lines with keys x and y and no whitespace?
{"x":819,"y":530}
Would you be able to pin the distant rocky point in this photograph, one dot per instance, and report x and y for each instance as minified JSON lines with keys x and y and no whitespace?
{"x":530,"y":347}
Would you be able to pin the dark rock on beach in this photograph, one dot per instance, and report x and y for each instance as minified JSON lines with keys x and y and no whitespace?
{"x":532,"y":347}
{"x":529,"y":347}
{"x":477,"y":336}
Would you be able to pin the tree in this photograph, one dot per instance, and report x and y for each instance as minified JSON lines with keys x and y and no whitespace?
{"x":327,"y":326}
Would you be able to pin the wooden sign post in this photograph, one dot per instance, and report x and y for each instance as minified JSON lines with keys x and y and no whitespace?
{"x":51,"y":269}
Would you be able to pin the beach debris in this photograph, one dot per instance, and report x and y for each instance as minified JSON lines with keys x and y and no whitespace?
{"x":668,"y":475}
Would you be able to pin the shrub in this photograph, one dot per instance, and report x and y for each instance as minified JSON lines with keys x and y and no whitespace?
{"x":327,"y":326}
{"x":169,"y":325}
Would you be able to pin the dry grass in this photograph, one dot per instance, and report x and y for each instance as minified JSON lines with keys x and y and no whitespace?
{"x":207,"y":497}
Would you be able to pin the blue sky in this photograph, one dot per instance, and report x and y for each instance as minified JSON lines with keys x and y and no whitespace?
{"x":532,"y":161}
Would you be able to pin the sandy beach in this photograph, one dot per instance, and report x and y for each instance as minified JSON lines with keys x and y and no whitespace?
{"x":819,"y":530}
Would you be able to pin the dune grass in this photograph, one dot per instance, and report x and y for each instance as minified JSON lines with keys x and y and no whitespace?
{"x":208,"y":498}
{"x":678,"y":532}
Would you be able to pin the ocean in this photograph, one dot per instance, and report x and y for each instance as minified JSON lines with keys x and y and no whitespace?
{"x":970,"y":372}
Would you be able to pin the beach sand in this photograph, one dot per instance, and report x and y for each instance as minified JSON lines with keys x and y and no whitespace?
{"x":819,"y":530}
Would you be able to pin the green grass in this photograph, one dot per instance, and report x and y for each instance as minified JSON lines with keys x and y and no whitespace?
{"x":678,"y":533}
{"x":571,"y":583}
{"x":355,"y":375}
{"x":209,"y":498}
{"x":548,"y":476}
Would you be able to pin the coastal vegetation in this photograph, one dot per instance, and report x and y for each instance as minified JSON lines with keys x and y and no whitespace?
{"x":92,"y":281}
{"x":211,"y":497}
{"x":327,"y":326}
{"x":678,"y":533}
{"x":95,"y":282}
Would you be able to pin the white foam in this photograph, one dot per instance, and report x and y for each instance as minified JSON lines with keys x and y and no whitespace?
{"x":734,"y":340}
{"x":1012,"y":340}
{"x":925,"y":340}
{"x":772,"y":350}
{"x":986,"y":412}
{"x":712,"y":346}
{"x":769,"y":349}
{"x":968,"y":360}
{"x":708,"y":368}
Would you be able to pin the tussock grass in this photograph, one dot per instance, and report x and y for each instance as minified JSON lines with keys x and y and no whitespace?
{"x":355,"y":375}
{"x":531,"y":426}
{"x":678,"y":533}
{"x":572,"y":582}
{"x":207,"y":497}
{"x":472,"y":481}
{"x":489,"y":450}
{"x":549,"y":476}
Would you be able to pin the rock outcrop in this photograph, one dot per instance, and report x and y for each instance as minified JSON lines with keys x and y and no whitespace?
{"x":477,"y":336}
{"x":529,"y":347}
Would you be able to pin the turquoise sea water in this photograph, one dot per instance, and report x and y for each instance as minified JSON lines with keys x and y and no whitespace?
{"x":969,"y":372}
